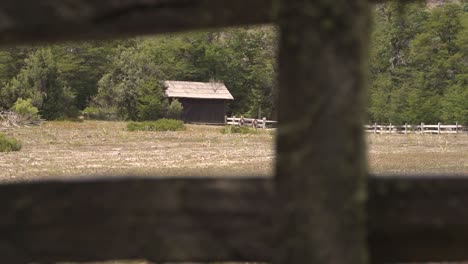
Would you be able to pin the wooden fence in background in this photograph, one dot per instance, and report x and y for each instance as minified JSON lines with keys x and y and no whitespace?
{"x":250,"y":122}
{"x":375,"y":128}
{"x":419,"y":129}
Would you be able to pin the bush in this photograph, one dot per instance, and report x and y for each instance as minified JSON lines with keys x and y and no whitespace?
{"x":9,"y":144}
{"x":151,"y":108}
{"x":97,"y":113}
{"x":175,"y":110}
{"x":25,"y":109}
{"x":238,"y":130}
{"x":159,"y":125}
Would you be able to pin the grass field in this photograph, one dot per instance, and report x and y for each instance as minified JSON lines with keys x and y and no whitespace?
{"x":418,"y":154}
{"x":92,"y":148}
{"x":106,"y":149}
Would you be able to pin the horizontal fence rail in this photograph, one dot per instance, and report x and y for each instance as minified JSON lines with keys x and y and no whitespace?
{"x":199,"y":220}
{"x":410,"y":219}
{"x":26,"y":21}
{"x":419,"y":129}
{"x":251,"y":122}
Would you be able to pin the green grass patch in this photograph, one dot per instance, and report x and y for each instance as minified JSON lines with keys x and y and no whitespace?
{"x":238,"y":130}
{"x":8,"y":144}
{"x":159,"y":125}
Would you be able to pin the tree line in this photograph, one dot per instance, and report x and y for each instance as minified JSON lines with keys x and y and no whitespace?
{"x":417,"y":69}
{"x":123,"y":78}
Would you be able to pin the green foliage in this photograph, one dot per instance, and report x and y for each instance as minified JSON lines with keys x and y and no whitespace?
{"x":238,"y":130}
{"x":8,"y":144}
{"x":455,"y":105}
{"x":175,"y":110}
{"x":152,"y":104}
{"x":25,"y":109}
{"x":132,"y":87}
{"x":418,"y":64}
{"x":96,"y":113}
{"x":39,"y":80}
{"x":159,"y":125}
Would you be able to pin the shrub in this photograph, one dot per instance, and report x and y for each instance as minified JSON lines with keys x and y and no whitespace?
{"x":9,"y":144}
{"x":159,"y":125}
{"x":25,"y":108}
{"x":151,"y":108}
{"x":238,"y":130}
{"x":98,"y":113}
{"x":175,"y":110}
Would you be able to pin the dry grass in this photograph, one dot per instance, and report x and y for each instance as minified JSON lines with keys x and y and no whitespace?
{"x":418,"y":154}
{"x":98,"y":148}
{"x":105,"y":149}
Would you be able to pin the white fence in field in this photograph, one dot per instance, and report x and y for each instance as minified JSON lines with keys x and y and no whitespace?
{"x":376,"y":129}
{"x":419,"y":129}
{"x":250,"y":122}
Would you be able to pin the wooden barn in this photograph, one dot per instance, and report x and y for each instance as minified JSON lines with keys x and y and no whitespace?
{"x":203,"y":102}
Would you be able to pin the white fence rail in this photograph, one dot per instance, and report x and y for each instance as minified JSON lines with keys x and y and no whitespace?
{"x":376,"y":129}
{"x":250,"y":122}
{"x":419,"y":129}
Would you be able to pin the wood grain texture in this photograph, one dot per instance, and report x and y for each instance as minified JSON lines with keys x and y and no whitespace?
{"x":321,"y":164}
{"x":162,"y":220}
{"x":418,"y":219}
{"x":411,"y":219}
{"x":25,"y":21}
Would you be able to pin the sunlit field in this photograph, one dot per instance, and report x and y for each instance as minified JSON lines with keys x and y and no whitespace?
{"x":418,"y":154}
{"x":63,"y":150}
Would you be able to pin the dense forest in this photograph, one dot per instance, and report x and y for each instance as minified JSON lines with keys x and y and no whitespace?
{"x":418,"y":66}
{"x":418,"y":70}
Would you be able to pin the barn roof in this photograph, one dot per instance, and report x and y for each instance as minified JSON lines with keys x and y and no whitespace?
{"x":201,"y":90}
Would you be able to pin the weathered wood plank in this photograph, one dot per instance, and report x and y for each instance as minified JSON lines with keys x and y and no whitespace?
{"x":418,"y":219}
{"x":24,"y":21}
{"x":321,"y":168}
{"x":31,"y":21}
{"x":162,"y":220}
{"x":411,"y":219}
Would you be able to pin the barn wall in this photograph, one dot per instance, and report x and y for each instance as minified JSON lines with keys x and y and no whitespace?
{"x":203,"y":110}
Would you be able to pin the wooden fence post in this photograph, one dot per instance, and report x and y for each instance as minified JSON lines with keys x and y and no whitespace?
{"x":456,"y":127}
{"x":422,"y":128}
{"x":233,"y":120}
{"x":321,"y":166}
{"x":375,"y":128}
{"x":225,"y":120}
{"x":390,"y":128}
{"x":438,"y":128}
{"x":264,"y":123}
{"x":406,"y":128}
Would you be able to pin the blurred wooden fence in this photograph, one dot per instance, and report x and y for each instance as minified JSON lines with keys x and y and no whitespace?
{"x":313,"y":211}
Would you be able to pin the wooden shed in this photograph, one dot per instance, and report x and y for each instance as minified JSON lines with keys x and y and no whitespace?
{"x":203,"y":102}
